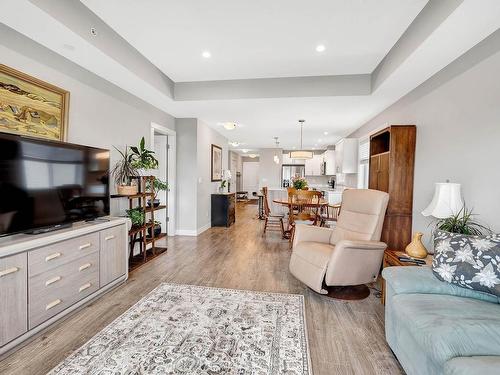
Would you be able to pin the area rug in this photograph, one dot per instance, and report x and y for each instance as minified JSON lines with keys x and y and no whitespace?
{"x":186,"y":329}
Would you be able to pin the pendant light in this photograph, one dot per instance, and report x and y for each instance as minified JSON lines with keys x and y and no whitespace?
{"x":276,"y":157}
{"x":301,"y":153}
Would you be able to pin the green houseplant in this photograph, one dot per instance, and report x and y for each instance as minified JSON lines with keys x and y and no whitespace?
{"x":137,"y":216}
{"x":462,"y":222}
{"x":158,"y":185}
{"x":142,"y":158}
{"x":122,"y":172}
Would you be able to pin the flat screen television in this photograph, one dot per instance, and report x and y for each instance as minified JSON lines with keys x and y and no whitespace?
{"x":45,"y":185}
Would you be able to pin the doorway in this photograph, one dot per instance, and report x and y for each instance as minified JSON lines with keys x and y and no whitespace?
{"x":163,"y":141}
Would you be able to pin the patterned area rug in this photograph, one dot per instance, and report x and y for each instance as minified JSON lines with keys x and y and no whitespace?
{"x":186,"y":329}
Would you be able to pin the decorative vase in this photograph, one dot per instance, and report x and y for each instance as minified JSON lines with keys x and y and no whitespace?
{"x":126,"y":189}
{"x":416,"y":248}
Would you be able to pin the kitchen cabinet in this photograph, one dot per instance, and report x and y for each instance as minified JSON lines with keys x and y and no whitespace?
{"x":346,"y":156}
{"x":333,"y":197}
{"x":329,"y":159}
{"x":313,"y":166}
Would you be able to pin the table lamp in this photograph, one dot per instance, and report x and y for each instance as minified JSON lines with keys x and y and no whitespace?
{"x":447,"y":201}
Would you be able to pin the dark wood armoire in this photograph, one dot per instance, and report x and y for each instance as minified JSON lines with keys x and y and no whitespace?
{"x":392,"y":160}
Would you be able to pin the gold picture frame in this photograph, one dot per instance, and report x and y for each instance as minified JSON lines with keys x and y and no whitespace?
{"x":32,"y":107}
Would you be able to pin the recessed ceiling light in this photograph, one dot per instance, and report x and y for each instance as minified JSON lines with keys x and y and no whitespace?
{"x":228,"y":125}
{"x":235,"y":144}
{"x":252,"y":155}
{"x":325,"y":133}
{"x":244,"y":150}
{"x":206,"y":54}
{"x":320,"y":48}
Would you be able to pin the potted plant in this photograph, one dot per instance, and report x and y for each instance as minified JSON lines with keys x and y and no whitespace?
{"x":142,"y":158}
{"x":158,"y":185}
{"x":123,"y":171}
{"x":462,"y":222}
{"x":137,"y":216}
{"x":154,"y":231}
{"x":299,"y":183}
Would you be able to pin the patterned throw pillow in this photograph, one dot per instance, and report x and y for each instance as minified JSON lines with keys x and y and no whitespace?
{"x":471,"y":262}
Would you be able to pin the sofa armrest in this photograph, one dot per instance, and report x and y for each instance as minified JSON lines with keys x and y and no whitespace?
{"x":476,"y":365}
{"x":311,"y":233}
{"x":421,"y":280}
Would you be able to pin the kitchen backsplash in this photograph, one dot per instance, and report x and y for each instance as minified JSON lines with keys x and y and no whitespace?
{"x":317,"y":180}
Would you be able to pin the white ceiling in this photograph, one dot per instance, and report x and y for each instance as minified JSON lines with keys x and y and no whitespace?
{"x":155,"y":26}
{"x":259,"y":38}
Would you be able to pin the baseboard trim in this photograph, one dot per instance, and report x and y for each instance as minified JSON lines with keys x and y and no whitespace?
{"x":188,"y":232}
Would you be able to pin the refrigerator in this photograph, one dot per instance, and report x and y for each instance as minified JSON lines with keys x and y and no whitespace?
{"x":291,"y":170}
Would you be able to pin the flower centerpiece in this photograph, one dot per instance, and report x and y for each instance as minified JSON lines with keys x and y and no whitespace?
{"x":299,"y":183}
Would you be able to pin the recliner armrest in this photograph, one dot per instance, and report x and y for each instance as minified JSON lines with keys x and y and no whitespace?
{"x":311,"y":233}
{"x":362,"y":245}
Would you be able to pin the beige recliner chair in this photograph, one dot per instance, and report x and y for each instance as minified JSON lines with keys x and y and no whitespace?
{"x":349,"y":254}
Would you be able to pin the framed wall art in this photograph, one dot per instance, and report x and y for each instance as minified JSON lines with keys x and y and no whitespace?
{"x":216,"y":164}
{"x":31,"y":107}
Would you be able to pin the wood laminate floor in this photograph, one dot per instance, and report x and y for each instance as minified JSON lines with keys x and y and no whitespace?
{"x":344,"y":337}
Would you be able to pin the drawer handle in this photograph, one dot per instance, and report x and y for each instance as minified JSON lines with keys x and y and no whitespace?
{"x":84,"y":286}
{"x":52,"y":256}
{"x":84,"y":246}
{"x":53,"y":280}
{"x":109,"y":238}
{"x":8,"y":271}
{"x":53,"y":304}
{"x":84,"y":266}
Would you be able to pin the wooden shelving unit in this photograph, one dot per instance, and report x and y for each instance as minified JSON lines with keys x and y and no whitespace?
{"x":139,"y":234}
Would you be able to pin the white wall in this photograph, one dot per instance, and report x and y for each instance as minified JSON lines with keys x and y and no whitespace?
{"x":457,"y":114}
{"x":100,"y":113}
{"x":187,"y":175}
{"x":206,"y":137}
{"x":270,"y":172}
{"x":194,"y":185}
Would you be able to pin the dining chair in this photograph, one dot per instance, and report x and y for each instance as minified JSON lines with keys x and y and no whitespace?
{"x":304,"y":206}
{"x":329,"y":215}
{"x":272,"y":221}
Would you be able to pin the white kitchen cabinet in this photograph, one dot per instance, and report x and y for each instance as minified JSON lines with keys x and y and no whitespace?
{"x":313,"y":166}
{"x":329,"y":158}
{"x":334,"y":197}
{"x":346,"y":156}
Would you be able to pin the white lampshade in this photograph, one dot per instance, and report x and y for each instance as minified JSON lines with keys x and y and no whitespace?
{"x":226,"y":174}
{"x":447,"y":201}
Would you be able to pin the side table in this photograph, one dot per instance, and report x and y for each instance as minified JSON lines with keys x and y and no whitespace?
{"x":391,"y":259}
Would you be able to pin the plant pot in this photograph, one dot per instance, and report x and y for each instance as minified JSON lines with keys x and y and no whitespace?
{"x":126,"y":189}
{"x":156,"y":203}
{"x":157,"y":230}
{"x":145,"y":172}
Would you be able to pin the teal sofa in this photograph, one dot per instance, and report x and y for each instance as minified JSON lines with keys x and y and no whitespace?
{"x":434,"y":327}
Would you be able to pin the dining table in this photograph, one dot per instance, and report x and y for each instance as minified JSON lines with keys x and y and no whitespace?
{"x":286,"y":202}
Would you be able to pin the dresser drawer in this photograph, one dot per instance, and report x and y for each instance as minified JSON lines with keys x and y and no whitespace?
{"x":52,"y":256}
{"x":55,"y":290}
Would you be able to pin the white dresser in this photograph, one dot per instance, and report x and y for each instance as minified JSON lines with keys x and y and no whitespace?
{"x":44,"y":277}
